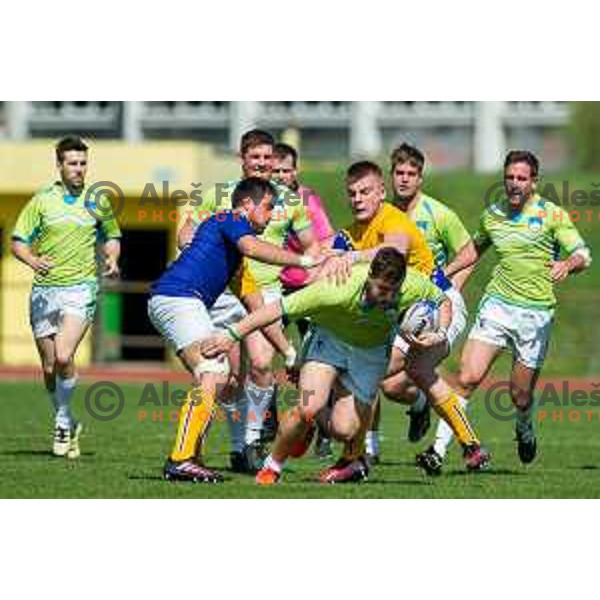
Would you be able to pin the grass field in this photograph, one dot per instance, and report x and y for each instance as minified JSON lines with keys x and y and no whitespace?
{"x":123,"y":458}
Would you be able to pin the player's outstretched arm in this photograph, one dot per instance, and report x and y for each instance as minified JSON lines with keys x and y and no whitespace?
{"x":22,"y":252}
{"x":468,"y":256}
{"x":222,"y":343}
{"x":252,"y":247}
{"x":459,"y":279}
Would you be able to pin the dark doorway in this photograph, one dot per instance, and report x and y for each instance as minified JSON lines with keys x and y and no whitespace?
{"x":144,"y":257}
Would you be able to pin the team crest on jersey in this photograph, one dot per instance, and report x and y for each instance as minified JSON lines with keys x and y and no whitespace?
{"x":535,"y":223}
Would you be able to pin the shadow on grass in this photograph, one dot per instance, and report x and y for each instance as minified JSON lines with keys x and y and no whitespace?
{"x":487,"y":473}
{"x":45,"y":453}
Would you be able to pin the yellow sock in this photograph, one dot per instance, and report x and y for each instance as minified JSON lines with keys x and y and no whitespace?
{"x":194,"y":419}
{"x":452,"y":412}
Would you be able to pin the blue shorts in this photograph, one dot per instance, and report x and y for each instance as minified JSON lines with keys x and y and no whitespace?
{"x":360,"y":370}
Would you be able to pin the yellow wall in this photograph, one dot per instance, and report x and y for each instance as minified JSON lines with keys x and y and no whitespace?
{"x":24,"y":167}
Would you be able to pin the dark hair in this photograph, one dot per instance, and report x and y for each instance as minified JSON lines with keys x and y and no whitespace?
{"x":255,"y":137}
{"x":361,"y":169}
{"x":406,"y":153}
{"x":71,"y":142}
{"x":282,"y":150}
{"x":523,"y":156}
{"x":389,"y":264}
{"x":252,"y":187}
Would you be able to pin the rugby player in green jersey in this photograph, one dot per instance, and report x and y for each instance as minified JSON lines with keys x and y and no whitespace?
{"x":347,"y":351}
{"x":537,"y":246}
{"x":56,"y":236}
{"x":446,"y":236}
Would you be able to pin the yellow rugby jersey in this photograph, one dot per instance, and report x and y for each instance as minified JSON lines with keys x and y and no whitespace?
{"x":392,"y":221}
{"x":244,"y":282}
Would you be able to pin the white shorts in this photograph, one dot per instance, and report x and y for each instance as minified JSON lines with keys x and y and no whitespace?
{"x":457,"y":325}
{"x":360,"y":370}
{"x":48,"y":305}
{"x":227,"y":310}
{"x":526,"y":331}
{"x":183,"y":321}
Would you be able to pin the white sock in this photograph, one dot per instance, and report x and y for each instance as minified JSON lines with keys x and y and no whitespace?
{"x":271,"y":463}
{"x":258,"y":400}
{"x":420,"y":403}
{"x":63,"y":394}
{"x":443,"y":433}
{"x":372,"y":443}
{"x":236,"y":412}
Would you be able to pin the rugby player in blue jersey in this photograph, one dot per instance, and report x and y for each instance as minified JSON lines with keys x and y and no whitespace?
{"x":182,"y":296}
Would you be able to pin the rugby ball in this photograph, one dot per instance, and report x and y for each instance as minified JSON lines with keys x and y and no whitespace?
{"x":421,"y":317}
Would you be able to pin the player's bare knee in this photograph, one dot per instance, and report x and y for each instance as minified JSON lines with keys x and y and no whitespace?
{"x":345,"y":430}
{"x":260,"y":367}
{"x":63,"y":360}
{"x":468,"y":381}
{"x":389,"y":388}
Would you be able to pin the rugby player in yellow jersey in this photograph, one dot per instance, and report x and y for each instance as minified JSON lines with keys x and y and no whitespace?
{"x":377,"y":224}
{"x":446,"y":236}
{"x":346,"y":353}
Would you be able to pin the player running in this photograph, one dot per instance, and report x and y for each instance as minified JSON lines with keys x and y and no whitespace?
{"x":528,"y":233}
{"x":290,"y":215}
{"x":347,"y":352}
{"x":446,"y":236}
{"x":180,"y":301}
{"x":56,"y":236}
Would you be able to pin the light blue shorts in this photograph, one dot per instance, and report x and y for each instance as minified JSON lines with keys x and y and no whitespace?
{"x":360,"y":370}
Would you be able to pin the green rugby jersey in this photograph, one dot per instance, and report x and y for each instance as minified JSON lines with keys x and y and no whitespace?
{"x":443,"y":230}
{"x":341,"y":310}
{"x":525,"y":244}
{"x":58,"y":225}
{"x":289,"y":214}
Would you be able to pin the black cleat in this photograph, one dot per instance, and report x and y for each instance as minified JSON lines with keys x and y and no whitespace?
{"x":188,"y":470}
{"x":420,"y":421}
{"x":526,"y":444}
{"x":238,"y":463}
{"x":430,"y":461}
